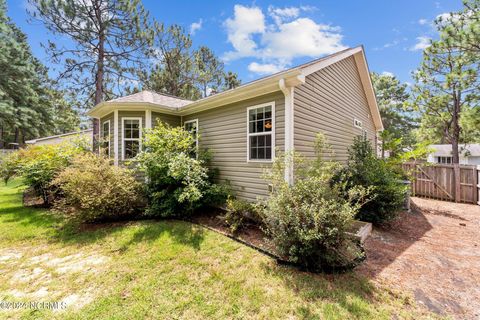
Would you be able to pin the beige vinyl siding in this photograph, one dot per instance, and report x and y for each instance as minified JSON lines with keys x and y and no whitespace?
{"x":127,"y":114}
{"x":172,"y":120}
{"x":223,"y":131}
{"x":102,"y":121}
{"x":328,"y":102}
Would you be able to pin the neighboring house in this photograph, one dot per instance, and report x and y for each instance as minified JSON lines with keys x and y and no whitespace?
{"x":83,"y":134}
{"x":469,"y":154}
{"x":244,"y":126}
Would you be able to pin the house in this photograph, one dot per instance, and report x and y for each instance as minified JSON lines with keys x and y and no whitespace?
{"x":469,"y":154}
{"x":82,"y":134}
{"x":244,"y":126}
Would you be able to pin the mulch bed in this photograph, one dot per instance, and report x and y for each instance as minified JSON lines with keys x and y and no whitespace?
{"x":251,"y":235}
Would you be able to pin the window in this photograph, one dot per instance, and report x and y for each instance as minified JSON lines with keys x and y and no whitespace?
{"x":261,"y":132}
{"x":105,"y":143}
{"x":357,"y":123}
{"x":444,"y":160}
{"x":131,"y":137}
{"x":192,"y":127}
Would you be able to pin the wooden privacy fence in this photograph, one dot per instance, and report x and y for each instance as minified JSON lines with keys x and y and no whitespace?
{"x":459,"y":183}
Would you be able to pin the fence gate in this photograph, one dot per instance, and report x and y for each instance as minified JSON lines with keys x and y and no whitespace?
{"x":459,"y":183}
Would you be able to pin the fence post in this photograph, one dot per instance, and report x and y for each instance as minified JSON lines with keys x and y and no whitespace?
{"x":456,"y":174}
{"x":476,"y":183}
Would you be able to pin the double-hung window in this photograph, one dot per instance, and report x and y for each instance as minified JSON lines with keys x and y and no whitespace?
{"x":192,"y":127}
{"x":261,"y":132}
{"x":105,"y":143}
{"x":131,"y":137}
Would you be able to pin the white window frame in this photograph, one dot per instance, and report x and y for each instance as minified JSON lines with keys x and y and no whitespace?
{"x":196,"y":134}
{"x":272,"y":133}
{"x":357,"y":123}
{"x":443,"y":159}
{"x":103,"y":136}
{"x":130,"y":139}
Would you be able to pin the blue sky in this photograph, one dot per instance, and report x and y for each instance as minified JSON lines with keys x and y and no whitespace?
{"x":261,"y":37}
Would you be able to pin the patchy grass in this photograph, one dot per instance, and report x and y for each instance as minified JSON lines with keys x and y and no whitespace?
{"x":166,"y":269}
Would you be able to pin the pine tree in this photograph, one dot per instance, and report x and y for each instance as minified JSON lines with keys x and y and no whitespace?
{"x":398,"y":121}
{"x":174,"y":72}
{"x":231,"y":80}
{"x":109,"y":39}
{"x":447,"y":85}
{"x":209,"y":70}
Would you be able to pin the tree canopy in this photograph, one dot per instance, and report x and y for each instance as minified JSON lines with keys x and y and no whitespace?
{"x":30,"y":104}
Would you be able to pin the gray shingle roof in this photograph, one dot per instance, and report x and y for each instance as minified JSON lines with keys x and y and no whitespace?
{"x":152,"y":97}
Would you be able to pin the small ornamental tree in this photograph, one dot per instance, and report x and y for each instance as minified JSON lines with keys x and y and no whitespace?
{"x":366,"y":170}
{"x":178,"y":182}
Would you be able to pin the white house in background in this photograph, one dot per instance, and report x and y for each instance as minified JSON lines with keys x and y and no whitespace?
{"x":83,"y":134}
{"x":469,"y":153}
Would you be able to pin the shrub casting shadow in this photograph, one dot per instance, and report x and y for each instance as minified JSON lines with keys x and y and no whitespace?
{"x":181,"y":232}
{"x":390,"y":241}
{"x":334,"y":288}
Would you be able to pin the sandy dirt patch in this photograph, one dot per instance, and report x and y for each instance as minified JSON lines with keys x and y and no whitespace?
{"x":434,"y":253}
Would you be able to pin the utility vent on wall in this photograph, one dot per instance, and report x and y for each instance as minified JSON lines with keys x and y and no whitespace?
{"x":357,"y":123}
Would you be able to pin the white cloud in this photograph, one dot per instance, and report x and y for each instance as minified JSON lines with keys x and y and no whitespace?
{"x":422,"y":22}
{"x":241,"y":28}
{"x":194,"y":27}
{"x":264,"y":68}
{"x":282,"y":14}
{"x":277,"y":44}
{"x":388,"y":73}
{"x":422,"y":43}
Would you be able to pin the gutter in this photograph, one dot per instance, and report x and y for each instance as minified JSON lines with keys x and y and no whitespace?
{"x":287,"y":86}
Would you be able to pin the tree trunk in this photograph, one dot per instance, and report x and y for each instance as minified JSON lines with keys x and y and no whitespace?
{"x":455,"y":128}
{"x":99,"y":75}
{"x":2,"y":142}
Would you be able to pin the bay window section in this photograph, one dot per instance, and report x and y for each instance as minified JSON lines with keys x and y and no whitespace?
{"x":261,"y":132}
{"x":131,"y":137}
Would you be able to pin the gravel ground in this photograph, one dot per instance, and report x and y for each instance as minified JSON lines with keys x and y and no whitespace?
{"x":433,"y":253}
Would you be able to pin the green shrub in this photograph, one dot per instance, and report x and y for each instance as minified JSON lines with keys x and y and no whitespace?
{"x":177,"y":182}
{"x":9,"y":164}
{"x":38,"y":165}
{"x":239,"y":213}
{"x":365,"y":169}
{"x":307,"y":222}
{"x":92,"y":189}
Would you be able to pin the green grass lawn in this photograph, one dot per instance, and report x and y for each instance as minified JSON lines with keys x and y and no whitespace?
{"x":166,"y":269}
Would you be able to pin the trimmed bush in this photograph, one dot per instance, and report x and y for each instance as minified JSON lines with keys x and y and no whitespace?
{"x":365,"y":169}
{"x":92,"y":190}
{"x":178,"y":182}
{"x":307,"y":222}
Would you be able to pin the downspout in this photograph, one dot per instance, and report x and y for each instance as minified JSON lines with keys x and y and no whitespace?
{"x":289,"y":136}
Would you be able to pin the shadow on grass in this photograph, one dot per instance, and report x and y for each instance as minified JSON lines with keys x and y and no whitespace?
{"x":139,"y":231}
{"x":14,"y":215}
{"x":351,"y":292}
